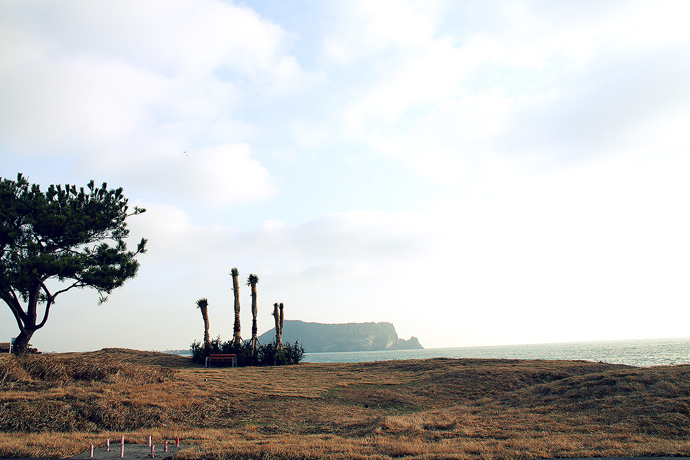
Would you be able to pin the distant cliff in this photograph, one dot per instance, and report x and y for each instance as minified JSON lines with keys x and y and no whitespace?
{"x":318,"y":337}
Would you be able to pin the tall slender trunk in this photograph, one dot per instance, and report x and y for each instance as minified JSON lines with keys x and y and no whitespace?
{"x":276,"y":317}
{"x":202,"y":304}
{"x":207,"y":337}
{"x":255,"y":328}
{"x":280,"y":341}
{"x":236,"y":337}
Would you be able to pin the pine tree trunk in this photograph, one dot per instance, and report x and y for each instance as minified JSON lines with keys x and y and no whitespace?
{"x":21,"y":343}
{"x":27,"y":322}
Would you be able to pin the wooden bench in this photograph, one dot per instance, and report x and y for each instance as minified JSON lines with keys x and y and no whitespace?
{"x":221,"y":358}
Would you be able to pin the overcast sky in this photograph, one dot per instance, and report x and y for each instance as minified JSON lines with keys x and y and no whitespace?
{"x":474,"y":172}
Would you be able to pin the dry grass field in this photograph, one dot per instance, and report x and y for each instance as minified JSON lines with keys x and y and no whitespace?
{"x":56,"y":405}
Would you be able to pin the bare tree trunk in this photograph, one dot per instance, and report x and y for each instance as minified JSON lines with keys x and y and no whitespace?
{"x":255,"y":328}
{"x":202,"y":304}
{"x":207,"y":337}
{"x":280,"y":341}
{"x":279,"y":333}
{"x":236,"y":337}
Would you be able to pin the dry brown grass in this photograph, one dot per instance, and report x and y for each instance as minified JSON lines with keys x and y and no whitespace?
{"x":56,"y":405}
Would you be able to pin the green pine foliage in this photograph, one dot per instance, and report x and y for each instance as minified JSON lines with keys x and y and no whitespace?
{"x":74,"y":236}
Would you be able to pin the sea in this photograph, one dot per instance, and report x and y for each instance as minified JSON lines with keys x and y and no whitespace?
{"x":640,"y":353}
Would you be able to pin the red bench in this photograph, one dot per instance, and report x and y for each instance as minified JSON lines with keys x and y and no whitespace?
{"x":221,"y":358}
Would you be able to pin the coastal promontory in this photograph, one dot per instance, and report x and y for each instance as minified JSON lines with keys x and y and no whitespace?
{"x":320,"y":337}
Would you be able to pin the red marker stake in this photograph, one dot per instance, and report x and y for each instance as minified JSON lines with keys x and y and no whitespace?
{"x":165,"y":446}
{"x":177,"y":442}
{"x":152,"y":451}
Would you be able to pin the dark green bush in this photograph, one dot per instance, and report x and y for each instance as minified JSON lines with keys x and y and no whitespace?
{"x":266,"y":355}
{"x":292,"y":353}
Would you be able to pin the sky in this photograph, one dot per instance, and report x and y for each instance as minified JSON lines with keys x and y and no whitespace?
{"x":476,"y":173}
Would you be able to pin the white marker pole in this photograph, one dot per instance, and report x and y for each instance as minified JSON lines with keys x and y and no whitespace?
{"x":91,"y":451}
{"x":152,"y":451}
{"x":149,"y":441}
{"x":107,"y":445}
{"x":122,"y":440}
{"x":122,"y":450}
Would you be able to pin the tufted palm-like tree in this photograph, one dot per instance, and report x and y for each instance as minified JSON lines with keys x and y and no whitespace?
{"x":236,"y":337}
{"x":251,"y":282}
{"x":202,"y":304}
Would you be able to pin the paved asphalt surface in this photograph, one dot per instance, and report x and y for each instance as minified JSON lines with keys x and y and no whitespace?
{"x":132,"y":452}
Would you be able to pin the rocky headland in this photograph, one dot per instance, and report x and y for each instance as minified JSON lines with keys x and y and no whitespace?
{"x":321,"y":338}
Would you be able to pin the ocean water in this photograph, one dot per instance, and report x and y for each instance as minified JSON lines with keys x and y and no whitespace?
{"x":641,"y":353}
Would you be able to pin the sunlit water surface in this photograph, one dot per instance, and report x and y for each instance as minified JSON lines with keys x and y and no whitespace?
{"x":643,"y":353}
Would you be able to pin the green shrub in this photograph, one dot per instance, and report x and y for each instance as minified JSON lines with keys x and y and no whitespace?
{"x":199,"y":354}
{"x":266,"y":355}
{"x":292,"y":353}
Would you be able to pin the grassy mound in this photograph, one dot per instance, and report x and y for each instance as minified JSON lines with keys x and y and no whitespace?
{"x":56,"y":393}
{"x":435,"y":408}
{"x":55,"y":370}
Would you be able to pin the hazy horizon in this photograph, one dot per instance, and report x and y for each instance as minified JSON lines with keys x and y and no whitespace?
{"x":504,"y":345}
{"x":476,"y":173}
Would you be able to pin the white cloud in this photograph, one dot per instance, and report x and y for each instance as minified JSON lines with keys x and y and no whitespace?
{"x":211,"y":176}
{"x":584,"y":249}
{"x":362,"y":237}
{"x":310,"y":136}
{"x":169,"y":37}
{"x":602,"y":107}
{"x":128,"y":83}
{"x":74,"y":101}
{"x":549,"y":83}
{"x":228,"y":174}
{"x":365,"y":29}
